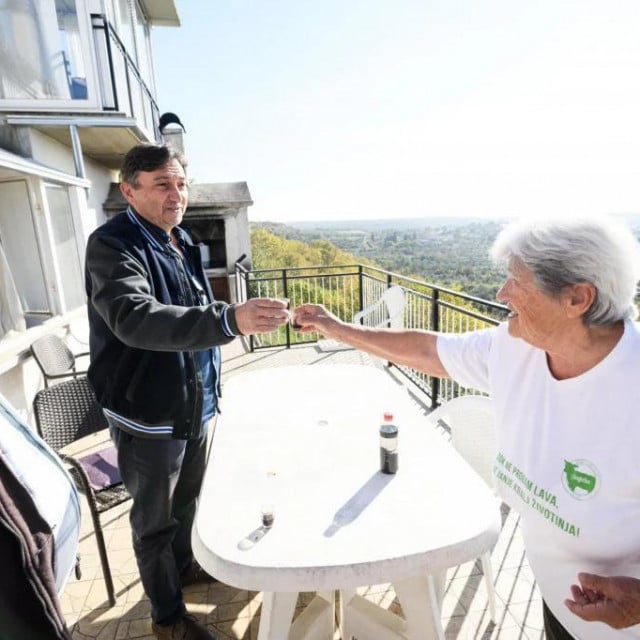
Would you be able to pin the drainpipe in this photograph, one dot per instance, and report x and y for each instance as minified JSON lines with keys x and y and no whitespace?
{"x":78,"y":160}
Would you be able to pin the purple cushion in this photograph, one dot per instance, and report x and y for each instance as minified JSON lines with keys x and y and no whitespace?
{"x":102,"y":468}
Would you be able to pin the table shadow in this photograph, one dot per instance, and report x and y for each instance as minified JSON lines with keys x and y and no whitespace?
{"x":251,"y":539}
{"x":358,"y":502}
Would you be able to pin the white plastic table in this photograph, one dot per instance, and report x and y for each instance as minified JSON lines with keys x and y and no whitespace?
{"x":304,"y":440}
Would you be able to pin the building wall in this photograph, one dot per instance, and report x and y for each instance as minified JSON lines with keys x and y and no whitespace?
{"x":20,"y":377}
{"x":48,"y":151}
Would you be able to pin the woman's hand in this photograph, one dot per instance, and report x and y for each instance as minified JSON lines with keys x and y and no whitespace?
{"x":613,"y":600}
{"x":315,"y":317}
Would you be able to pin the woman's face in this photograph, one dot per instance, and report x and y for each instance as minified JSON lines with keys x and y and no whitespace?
{"x":534,"y":316}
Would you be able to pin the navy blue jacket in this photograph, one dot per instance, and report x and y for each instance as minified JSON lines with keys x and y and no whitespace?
{"x":145,"y":325}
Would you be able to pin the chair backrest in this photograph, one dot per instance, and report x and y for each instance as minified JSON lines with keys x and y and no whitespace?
{"x":472,"y":423}
{"x":66,"y":412}
{"x":52,"y":355}
{"x":394,"y":300}
{"x":388,"y":310}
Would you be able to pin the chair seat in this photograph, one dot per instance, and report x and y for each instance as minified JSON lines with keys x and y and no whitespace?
{"x":113,"y":496}
{"x":104,"y":499}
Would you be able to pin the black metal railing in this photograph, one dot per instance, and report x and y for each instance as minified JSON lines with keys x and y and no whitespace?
{"x":348,"y":289}
{"x":121,"y":85}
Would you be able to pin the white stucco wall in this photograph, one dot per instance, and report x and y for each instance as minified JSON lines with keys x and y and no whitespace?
{"x":50,"y":152}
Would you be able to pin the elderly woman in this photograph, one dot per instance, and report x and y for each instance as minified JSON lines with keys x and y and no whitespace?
{"x":561,"y":372}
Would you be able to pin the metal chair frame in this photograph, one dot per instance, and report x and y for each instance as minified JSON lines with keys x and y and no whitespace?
{"x":64,"y":413}
{"x":55,"y":358}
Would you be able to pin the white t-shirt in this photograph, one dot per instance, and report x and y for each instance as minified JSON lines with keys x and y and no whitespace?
{"x":568,"y":459}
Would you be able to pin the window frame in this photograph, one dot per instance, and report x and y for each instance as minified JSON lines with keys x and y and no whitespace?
{"x":49,"y":256}
{"x":93,"y":100}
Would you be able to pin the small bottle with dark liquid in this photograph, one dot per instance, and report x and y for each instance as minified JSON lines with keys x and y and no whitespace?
{"x":388,"y":445}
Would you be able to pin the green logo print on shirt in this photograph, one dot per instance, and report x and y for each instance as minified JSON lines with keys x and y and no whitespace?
{"x":580,"y":478}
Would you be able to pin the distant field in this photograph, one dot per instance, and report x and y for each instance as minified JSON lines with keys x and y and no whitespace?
{"x":451,"y":252}
{"x":448,"y":255}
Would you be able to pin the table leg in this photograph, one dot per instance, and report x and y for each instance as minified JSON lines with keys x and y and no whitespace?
{"x":361,"y":618}
{"x":276,"y":614}
{"x":420,"y":599}
{"x":343,"y":620}
{"x":317,"y":621}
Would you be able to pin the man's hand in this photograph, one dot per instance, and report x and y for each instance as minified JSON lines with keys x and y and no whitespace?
{"x":314,"y":317}
{"x":614,"y":600}
{"x":261,"y":315}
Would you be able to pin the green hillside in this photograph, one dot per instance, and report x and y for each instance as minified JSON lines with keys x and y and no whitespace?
{"x":274,"y":248}
{"x":454,"y":256}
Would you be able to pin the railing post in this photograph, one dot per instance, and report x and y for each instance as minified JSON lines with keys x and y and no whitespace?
{"x":242,"y":292}
{"x":285,"y":290}
{"x":360,"y":289}
{"x":435,"y":326}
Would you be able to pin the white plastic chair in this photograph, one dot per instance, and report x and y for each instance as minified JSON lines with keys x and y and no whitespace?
{"x":388,"y":310}
{"x":472,"y":423}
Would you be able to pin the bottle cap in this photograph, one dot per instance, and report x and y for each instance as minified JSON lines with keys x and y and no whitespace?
{"x":388,"y":416}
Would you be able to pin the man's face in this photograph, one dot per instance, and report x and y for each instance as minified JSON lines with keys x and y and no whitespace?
{"x":160,"y":196}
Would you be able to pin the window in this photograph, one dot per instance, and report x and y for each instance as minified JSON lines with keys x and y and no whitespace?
{"x":19,"y":241}
{"x":43,"y":253}
{"x":123,"y":23}
{"x":69,"y":262}
{"x":42,"y":56}
{"x":132,"y":29}
{"x":143,"y":42}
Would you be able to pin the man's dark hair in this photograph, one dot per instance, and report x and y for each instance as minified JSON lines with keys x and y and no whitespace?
{"x":148,"y":157}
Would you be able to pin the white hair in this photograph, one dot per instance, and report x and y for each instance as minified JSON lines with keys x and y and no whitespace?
{"x":560,"y":252}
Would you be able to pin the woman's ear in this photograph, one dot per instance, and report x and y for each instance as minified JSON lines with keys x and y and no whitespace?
{"x":579,"y":298}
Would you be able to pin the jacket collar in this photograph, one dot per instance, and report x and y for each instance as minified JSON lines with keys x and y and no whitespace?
{"x":156,"y":236}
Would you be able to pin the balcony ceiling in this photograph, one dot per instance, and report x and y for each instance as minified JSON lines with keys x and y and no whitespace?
{"x":105,"y":145}
{"x":105,"y":137}
{"x":161,"y":13}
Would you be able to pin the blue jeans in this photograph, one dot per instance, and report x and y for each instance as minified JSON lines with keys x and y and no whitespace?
{"x":164,"y":479}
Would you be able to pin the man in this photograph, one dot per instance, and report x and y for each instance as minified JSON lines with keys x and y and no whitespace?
{"x":155,"y":333}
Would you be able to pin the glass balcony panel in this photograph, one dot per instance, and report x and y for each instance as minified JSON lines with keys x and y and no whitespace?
{"x":124,"y":27}
{"x":143,"y":40}
{"x":122,"y":85}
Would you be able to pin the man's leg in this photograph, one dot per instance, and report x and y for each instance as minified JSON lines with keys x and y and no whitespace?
{"x":185,"y":500}
{"x":151,"y":471}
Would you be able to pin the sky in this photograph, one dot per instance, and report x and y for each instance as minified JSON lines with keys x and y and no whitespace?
{"x":367,"y":109}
